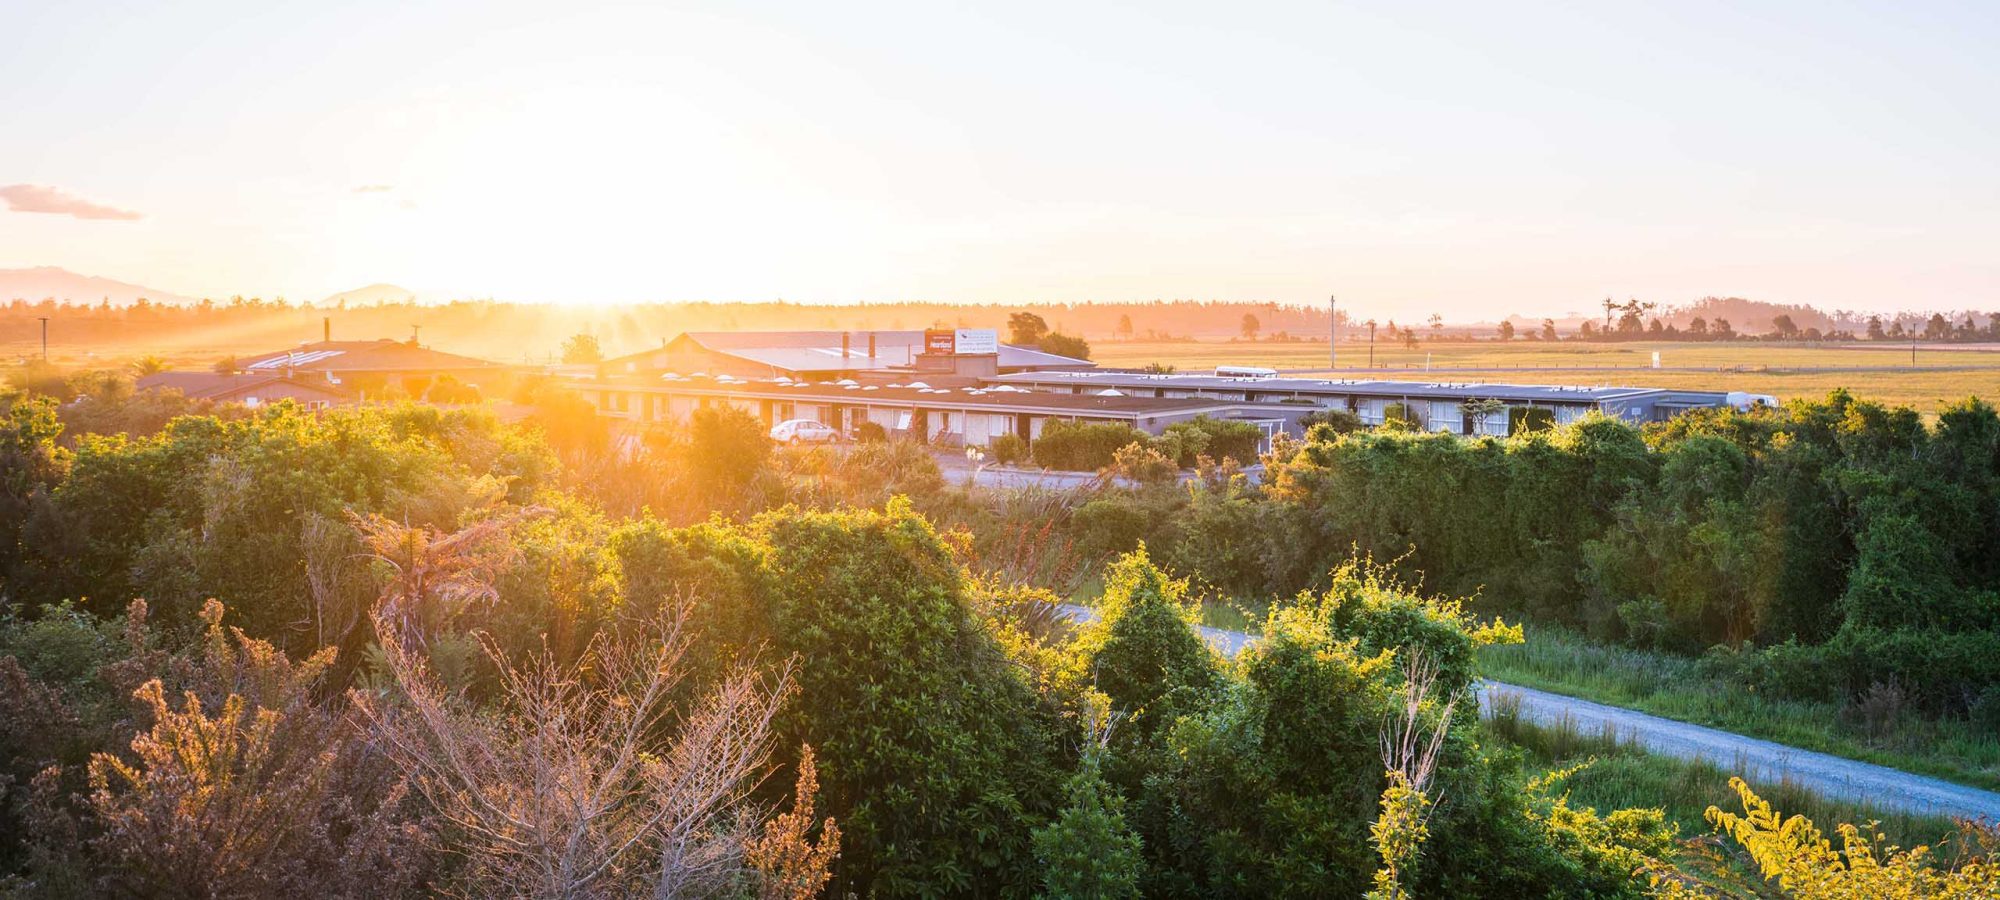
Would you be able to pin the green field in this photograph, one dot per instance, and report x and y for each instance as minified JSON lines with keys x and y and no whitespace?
{"x":1877,"y":371}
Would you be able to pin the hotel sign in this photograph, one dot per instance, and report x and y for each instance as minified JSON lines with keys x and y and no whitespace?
{"x":947,"y":341}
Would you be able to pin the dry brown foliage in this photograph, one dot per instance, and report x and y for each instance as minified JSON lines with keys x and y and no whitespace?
{"x":259,"y":793}
{"x":597,"y":778}
{"x":789,"y":864}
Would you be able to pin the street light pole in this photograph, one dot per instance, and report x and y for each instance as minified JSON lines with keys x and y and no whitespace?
{"x":1332,"y":334}
{"x":45,"y":337}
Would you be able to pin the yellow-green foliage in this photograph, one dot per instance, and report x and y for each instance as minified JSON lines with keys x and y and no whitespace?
{"x":1796,"y":855}
{"x":1398,"y":833}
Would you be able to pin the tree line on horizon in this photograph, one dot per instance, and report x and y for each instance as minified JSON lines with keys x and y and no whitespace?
{"x":511,"y":332}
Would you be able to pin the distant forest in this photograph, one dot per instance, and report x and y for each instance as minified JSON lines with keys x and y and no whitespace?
{"x":515,"y":332}
{"x":508,"y":331}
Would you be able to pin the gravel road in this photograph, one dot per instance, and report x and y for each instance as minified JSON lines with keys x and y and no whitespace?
{"x":1760,"y":762}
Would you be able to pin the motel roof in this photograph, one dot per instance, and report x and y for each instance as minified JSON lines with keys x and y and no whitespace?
{"x":385,"y":355}
{"x":218,"y":386}
{"x":1522,"y":393}
{"x":820,"y":351}
{"x":997,"y":400}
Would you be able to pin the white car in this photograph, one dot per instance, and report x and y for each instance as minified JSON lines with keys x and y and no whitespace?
{"x":805,"y":431}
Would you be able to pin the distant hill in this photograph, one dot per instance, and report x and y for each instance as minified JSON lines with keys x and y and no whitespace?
{"x":371,"y":295}
{"x":48,"y":282}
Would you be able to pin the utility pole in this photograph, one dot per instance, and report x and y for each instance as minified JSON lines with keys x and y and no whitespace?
{"x":1371,"y":343}
{"x":45,"y":341}
{"x":1332,"y":334}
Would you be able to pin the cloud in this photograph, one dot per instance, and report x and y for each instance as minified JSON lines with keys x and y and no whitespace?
{"x":37,"y":198}
{"x":375,"y":189}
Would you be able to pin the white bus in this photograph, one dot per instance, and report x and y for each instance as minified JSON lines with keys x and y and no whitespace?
{"x":1245,"y":372}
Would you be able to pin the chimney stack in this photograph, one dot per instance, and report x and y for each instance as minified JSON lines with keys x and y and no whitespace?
{"x":326,"y":329}
{"x":871,"y":346}
{"x":846,"y":341}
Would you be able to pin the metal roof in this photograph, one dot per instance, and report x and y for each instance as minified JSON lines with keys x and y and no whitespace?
{"x":1355,"y":387}
{"x":819,"y":351}
{"x":218,"y":386}
{"x":383,"y":355}
{"x":1008,"y":400}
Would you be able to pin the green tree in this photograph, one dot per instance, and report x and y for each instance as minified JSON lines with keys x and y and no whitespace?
{"x":1065,"y":345}
{"x":1089,"y":852}
{"x":1026,"y":329}
{"x":582,"y":349}
{"x":726,"y":451}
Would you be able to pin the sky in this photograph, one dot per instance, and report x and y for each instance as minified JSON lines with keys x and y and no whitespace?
{"x":1472,"y":159}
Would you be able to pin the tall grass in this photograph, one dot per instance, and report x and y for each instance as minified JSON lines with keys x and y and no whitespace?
{"x":1681,"y":688}
{"x":1622,"y":775}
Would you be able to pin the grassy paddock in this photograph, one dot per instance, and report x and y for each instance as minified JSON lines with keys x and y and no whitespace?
{"x":1784,"y":370}
{"x":1675,"y":687}
{"x":1620,"y":775}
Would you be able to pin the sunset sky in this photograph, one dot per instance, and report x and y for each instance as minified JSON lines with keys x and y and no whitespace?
{"x":1470,"y":158}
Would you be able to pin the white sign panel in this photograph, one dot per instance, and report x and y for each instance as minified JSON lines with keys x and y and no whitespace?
{"x":978,"y":340}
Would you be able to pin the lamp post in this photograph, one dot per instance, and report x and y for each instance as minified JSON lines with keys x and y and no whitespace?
{"x":45,"y":337}
{"x":1332,"y":334}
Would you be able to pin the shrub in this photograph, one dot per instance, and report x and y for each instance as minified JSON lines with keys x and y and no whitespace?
{"x":247,"y":787}
{"x":1088,"y":852}
{"x":1065,"y":345}
{"x":726,"y":449}
{"x":1082,"y":446}
{"x":1111,"y":525}
{"x":640,"y":788}
{"x":1143,"y":652}
{"x":1798,"y":856}
{"x":871,"y":432}
{"x":1143,"y":464}
{"x":1337,"y":421}
{"x":935,"y":754}
{"x":1985,"y":709}
{"x":1009,"y":449}
{"x":1218,"y":439}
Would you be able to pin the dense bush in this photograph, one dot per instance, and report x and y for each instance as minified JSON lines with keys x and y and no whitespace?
{"x":1009,"y":449}
{"x":936,"y":756}
{"x":1082,"y":446}
{"x":1142,"y":464}
{"x":1217,"y":439}
{"x":966,"y":743}
{"x":1337,"y":421}
{"x":208,"y":507}
{"x":1262,"y":778}
{"x":1065,"y":345}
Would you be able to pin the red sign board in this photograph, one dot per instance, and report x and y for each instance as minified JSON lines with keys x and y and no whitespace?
{"x":940,"y":340}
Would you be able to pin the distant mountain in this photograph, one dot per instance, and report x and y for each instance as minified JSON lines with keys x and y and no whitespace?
{"x":371,"y":295}
{"x":45,"y":282}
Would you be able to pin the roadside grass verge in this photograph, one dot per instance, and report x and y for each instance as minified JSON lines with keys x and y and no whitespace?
{"x":1676,"y":687}
{"x":1620,"y":775}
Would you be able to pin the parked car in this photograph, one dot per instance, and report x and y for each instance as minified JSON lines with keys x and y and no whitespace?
{"x":805,"y":431}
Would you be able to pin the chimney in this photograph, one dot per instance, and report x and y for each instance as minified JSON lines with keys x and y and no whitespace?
{"x":871,"y":346}
{"x":846,"y":341}
{"x":326,"y":329}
